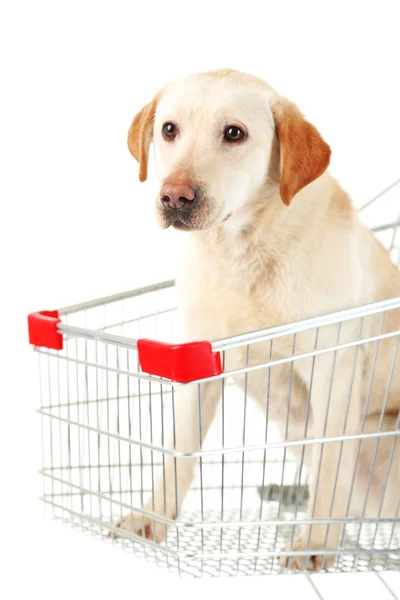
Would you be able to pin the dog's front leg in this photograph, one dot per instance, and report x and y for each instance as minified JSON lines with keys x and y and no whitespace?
{"x":335,"y":406}
{"x":194,"y":409}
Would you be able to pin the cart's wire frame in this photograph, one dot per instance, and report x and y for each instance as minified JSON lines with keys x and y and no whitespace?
{"x":106,"y":427}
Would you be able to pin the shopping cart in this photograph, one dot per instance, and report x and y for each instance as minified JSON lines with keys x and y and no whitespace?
{"x":108,"y":412}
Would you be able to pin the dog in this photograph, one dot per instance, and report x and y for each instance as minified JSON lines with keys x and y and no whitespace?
{"x":274,"y":239}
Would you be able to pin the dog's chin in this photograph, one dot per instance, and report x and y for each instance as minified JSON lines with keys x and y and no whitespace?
{"x":183,"y":222}
{"x":166,"y":221}
{"x":195,"y":225}
{"x":183,"y":226}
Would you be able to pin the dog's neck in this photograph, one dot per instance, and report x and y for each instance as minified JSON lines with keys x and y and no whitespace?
{"x":265,"y":239}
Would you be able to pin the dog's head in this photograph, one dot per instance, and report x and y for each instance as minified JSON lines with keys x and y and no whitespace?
{"x":220,"y":138}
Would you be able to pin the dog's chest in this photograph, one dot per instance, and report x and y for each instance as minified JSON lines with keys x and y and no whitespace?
{"x":235,"y":291}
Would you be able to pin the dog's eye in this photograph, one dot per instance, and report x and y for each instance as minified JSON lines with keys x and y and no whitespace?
{"x":169,"y":131}
{"x":233,"y":134}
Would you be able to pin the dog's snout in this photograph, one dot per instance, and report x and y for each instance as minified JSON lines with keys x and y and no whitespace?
{"x":177,"y":195}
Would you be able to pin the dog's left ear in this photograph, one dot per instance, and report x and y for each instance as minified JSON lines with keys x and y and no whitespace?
{"x":304,"y":154}
{"x":140,"y":135}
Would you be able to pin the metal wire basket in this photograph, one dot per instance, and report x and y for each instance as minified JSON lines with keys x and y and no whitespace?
{"x":106,"y":427}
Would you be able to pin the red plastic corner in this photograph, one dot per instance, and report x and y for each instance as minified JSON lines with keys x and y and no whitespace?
{"x":42,"y":327}
{"x":179,"y":362}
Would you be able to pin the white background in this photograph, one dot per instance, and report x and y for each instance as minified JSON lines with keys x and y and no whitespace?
{"x":76,"y":224}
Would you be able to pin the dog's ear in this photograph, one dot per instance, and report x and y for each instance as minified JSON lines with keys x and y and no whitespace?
{"x":304,"y":154}
{"x":140,"y":135}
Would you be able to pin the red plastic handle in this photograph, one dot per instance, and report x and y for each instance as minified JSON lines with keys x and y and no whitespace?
{"x":179,"y":362}
{"x":42,"y":327}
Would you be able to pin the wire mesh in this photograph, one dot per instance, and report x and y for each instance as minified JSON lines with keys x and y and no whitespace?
{"x":113,"y":452}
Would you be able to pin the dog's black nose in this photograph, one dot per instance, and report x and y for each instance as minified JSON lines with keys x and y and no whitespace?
{"x":177,"y":195}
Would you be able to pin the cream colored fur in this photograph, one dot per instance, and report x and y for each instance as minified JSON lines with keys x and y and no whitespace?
{"x":269,"y":264}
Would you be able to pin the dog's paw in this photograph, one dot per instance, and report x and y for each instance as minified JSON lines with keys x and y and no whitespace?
{"x":312,"y":562}
{"x":138,"y":525}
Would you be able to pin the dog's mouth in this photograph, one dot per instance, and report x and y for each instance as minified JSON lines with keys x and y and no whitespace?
{"x":177,"y":219}
{"x":187,"y":220}
{"x":183,"y":221}
{"x":197,"y":215}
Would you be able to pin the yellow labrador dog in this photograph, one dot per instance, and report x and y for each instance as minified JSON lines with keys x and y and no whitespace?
{"x":274,"y":239}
